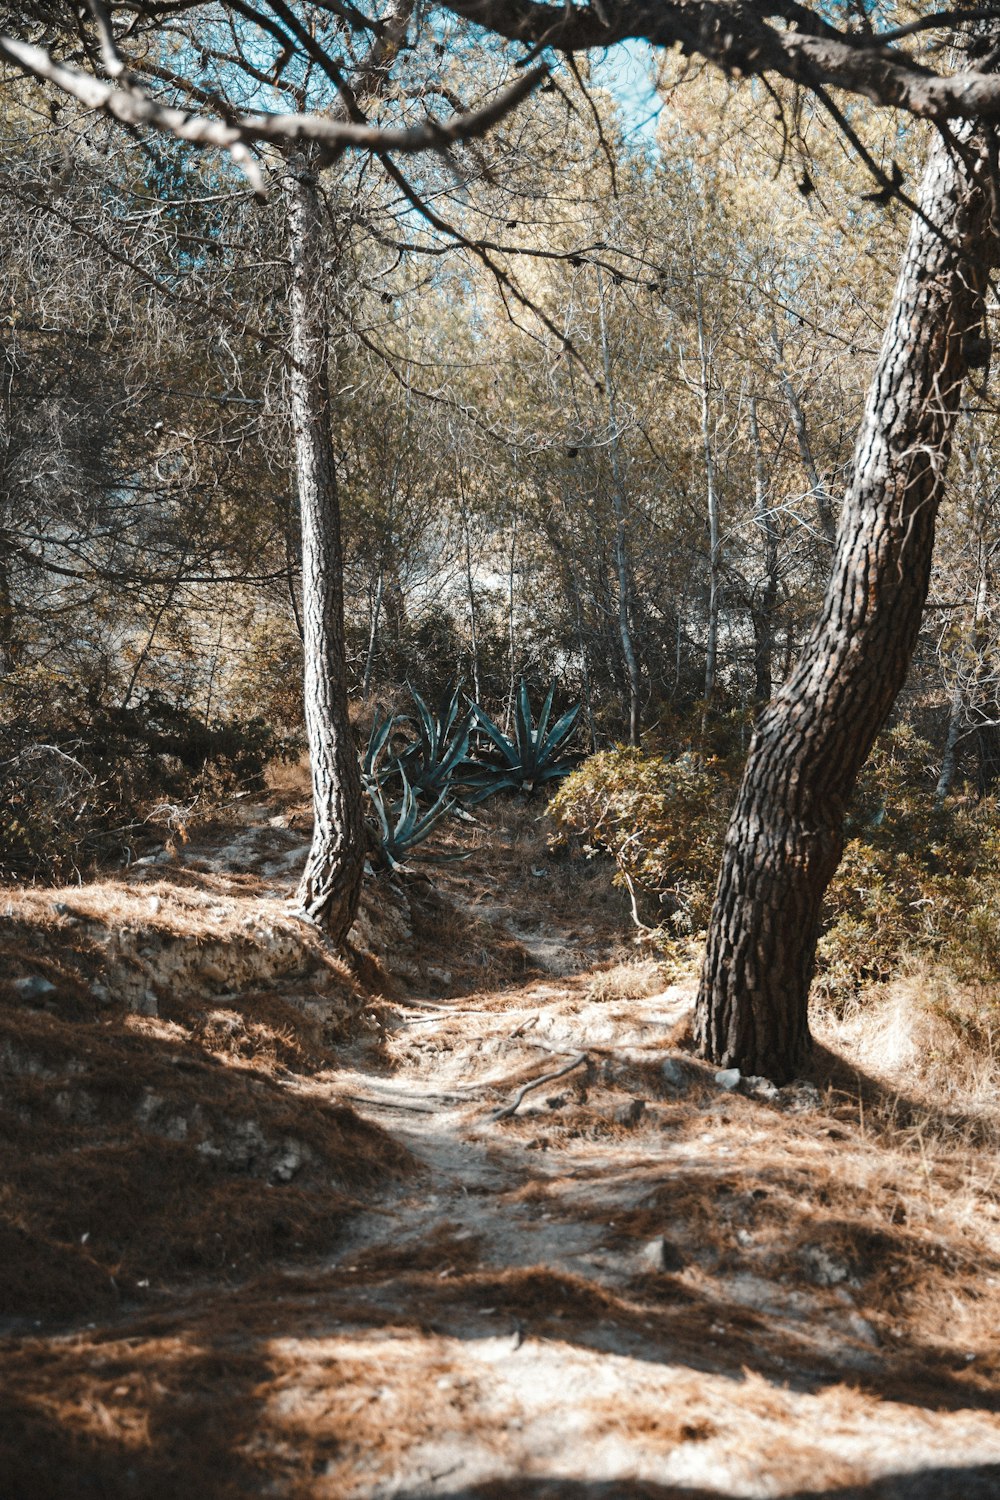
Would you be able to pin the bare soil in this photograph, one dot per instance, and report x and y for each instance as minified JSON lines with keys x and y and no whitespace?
{"x":270,"y":1225}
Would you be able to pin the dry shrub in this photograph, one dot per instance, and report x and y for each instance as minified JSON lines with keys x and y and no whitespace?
{"x":79,"y":777}
{"x":629,"y":979}
{"x":933,"y":1043}
{"x":661,"y":821}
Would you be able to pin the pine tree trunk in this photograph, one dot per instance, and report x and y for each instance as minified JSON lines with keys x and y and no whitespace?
{"x":786,"y":833}
{"x":331,"y":882}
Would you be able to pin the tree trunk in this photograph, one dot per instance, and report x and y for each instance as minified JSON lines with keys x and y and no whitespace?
{"x":712,"y":500}
{"x":818,"y":490}
{"x":331,"y":882}
{"x":765,"y":598}
{"x":622,"y":563}
{"x":786,"y":833}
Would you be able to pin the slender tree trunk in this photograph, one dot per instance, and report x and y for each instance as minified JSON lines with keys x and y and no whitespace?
{"x":712,"y":499}
{"x":511,"y":628}
{"x":471,"y":593}
{"x":331,"y":882}
{"x":956,"y":732}
{"x":626,"y":612}
{"x":786,"y":833}
{"x":366,"y":685}
{"x":820,"y":494}
{"x":762,"y":611}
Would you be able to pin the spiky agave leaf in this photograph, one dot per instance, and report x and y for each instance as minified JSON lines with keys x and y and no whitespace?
{"x":442,"y":746}
{"x":402,"y":826}
{"x":538,"y":755}
{"x":380,"y":736}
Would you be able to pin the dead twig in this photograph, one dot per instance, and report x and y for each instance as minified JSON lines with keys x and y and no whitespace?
{"x":510,"y":1109}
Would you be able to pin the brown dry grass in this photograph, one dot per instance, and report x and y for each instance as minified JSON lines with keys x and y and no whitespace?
{"x":256,"y":1362}
{"x":132,"y":1162}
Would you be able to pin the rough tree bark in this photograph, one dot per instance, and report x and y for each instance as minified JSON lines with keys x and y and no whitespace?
{"x":785,"y":837}
{"x":331,"y":882}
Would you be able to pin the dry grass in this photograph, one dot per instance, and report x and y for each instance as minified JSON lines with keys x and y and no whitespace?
{"x":832,"y":1258}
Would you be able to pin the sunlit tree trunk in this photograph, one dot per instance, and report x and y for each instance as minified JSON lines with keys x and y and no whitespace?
{"x":331,"y":882}
{"x":786,"y":833}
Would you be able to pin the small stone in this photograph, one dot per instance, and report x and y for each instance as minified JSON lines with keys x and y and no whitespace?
{"x":287,"y":1165}
{"x":863,"y":1331}
{"x":660,"y":1255}
{"x":62,"y":910}
{"x":630,"y":1113}
{"x":762,"y":1087}
{"x":728,"y":1078}
{"x":556,"y":1101}
{"x":674,"y":1073}
{"x":154,"y":904}
{"x":101,"y":994}
{"x":145,"y":1004}
{"x":822,"y":1267}
{"x":34,"y":987}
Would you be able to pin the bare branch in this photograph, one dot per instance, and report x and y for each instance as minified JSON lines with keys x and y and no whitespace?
{"x":134,"y":107}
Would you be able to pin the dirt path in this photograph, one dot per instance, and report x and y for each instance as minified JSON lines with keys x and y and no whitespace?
{"x":641,"y":1282}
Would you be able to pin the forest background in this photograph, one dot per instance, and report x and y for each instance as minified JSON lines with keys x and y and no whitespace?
{"x":595,"y":392}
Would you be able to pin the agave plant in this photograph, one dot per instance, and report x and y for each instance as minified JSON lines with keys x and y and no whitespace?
{"x":431,"y":761}
{"x":372,"y":773}
{"x":401,"y":825}
{"x":534,"y":756}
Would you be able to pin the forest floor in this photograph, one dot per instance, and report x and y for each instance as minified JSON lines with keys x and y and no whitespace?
{"x":264,"y":1232}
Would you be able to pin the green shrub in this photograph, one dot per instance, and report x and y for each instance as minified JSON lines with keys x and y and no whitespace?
{"x":915,"y":878}
{"x":661,"y":821}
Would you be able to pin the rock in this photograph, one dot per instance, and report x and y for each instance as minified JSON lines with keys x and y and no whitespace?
{"x":822,"y":1266}
{"x":62,"y":910}
{"x":728,"y":1078}
{"x":34,"y":987}
{"x":557,"y":1101}
{"x":161,"y":857}
{"x":145,"y":1004}
{"x":290,"y":1162}
{"x":154,"y":904}
{"x":629,"y":1113}
{"x":863,"y":1331}
{"x":101,"y":994}
{"x":659,"y":1256}
{"x":763,"y":1088}
{"x":801,"y":1096}
{"x":674,"y":1073}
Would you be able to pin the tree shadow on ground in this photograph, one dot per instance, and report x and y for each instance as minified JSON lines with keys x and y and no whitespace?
{"x":888,"y":1109}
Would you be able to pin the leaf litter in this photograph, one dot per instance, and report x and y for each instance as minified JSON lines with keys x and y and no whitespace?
{"x":263,"y":1235}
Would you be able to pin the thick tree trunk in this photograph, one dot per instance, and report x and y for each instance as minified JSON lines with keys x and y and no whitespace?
{"x":331,"y":882}
{"x":785,"y":837}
